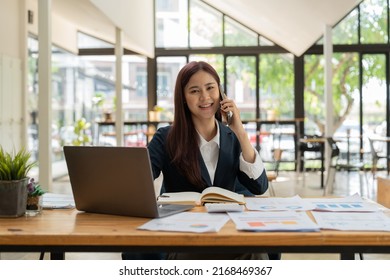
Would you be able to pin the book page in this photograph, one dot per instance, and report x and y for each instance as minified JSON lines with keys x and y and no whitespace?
{"x":179,"y":198}
{"x":215,"y":194}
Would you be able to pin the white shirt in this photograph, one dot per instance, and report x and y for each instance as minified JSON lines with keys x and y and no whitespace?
{"x":210,"y":154}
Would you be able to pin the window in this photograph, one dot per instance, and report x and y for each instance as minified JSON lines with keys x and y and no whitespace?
{"x":346,"y":32}
{"x":276,"y":86}
{"x":205,"y":25}
{"x":373,"y":21}
{"x":241,"y":84}
{"x":167,"y":70}
{"x":171,"y":23}
{"x":238,"y":35}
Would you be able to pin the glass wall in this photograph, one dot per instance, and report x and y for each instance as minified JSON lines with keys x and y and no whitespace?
{"x":167,"y":70}
{"x":374,"y":21}
{"x":241,"y":84}
{"x":277,"y":99}
{"x":374,"y":98}
{"x":346,"y":31}
{"x":359,"y":79}
{"x":83,"y":96}
{"x":171,"y":23}
{"x":239,"y":35}
{"x":205,"y":25}
{"x":254,"y":71}
{"x":276,"y":86}
{"x":268,"y":91}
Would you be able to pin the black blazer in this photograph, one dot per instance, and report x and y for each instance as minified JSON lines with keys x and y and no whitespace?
{"x":227,"y":173}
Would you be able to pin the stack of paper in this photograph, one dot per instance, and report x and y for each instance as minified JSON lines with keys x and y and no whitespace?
{"x":57,"y":201}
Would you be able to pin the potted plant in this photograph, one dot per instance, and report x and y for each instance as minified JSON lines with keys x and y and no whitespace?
{"x":14,"y":168}
{"x":155,"y":115}
{"x":34,"y":198}
{"x":79,"y":130}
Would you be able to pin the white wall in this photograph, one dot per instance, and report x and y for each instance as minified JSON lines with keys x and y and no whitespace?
{"x":64,"y":33}
{"x":10,"y":26}
{"x":11,"y":120}
{"x":11,"y":74}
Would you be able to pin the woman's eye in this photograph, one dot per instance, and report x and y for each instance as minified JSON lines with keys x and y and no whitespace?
{"x":194,"y":91}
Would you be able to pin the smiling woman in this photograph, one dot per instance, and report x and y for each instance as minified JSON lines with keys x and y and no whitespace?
{"x":198,"y":151}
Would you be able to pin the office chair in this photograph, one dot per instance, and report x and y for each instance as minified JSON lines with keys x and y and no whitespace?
{"x":376,"y":156}
{"x":335,"y":165}
{"x":314,"y":148}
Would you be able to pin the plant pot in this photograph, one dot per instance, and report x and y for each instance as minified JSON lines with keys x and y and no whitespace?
{"x":271,"y":115}
{"x":108,"y":117}
{"x":34,"y":205}
{"x":154,"y":116}
{"x":13,"y":198}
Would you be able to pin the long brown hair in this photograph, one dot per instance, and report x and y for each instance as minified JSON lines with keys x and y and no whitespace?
{"x":182,"y":140}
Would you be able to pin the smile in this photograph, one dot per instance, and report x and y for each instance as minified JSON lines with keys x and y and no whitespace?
{"x":206,"y":105}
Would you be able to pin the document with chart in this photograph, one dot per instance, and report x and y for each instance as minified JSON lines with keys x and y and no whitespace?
{"x":273,"y":221}
{"x":188,"y":222}
{"x":368,"y":221}
{"x":353,"y":203}
{"x":295,"y":203}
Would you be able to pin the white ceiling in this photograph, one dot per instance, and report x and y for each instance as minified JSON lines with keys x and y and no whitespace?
{"x":293,"y":24}
{"x":99,"y":18}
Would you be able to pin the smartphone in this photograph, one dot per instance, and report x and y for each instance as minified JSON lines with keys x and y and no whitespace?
{"x":229,"y":114}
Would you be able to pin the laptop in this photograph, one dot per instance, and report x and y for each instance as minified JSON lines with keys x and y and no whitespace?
{"x":115,"y":180}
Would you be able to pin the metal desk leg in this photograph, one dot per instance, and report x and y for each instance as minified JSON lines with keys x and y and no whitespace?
{"x":57,"y":255}
{"x":347,"y":256}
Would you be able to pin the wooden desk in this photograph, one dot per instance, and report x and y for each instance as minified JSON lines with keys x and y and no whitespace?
{"x":59,"y":231}
{"x":322,"y":142}
{"x":383,"y":191}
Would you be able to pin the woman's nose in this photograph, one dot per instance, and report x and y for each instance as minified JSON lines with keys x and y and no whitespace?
{"x":204,"y":94}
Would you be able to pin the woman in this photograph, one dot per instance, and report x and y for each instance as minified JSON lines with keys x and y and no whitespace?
{"x":197,"y":150}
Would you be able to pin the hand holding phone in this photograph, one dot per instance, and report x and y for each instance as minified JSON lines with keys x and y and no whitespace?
{"x":229,"y":114}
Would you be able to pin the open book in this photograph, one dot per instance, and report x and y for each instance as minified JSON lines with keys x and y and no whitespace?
{"x":209,"y":195}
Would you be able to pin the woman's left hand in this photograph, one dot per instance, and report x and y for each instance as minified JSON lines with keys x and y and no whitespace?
{"x":228,"y":105}
{"x":248,"y":152}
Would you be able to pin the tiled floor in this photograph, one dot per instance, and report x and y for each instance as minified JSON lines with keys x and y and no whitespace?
{"x":287,"y":184}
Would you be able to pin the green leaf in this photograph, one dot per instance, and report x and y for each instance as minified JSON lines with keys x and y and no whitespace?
{"x":15,"y":166}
